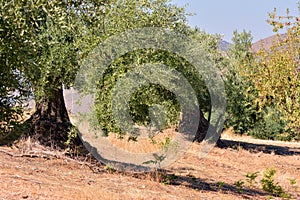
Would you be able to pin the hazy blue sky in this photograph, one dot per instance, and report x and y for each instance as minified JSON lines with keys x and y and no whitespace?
{"x":225,"y":16}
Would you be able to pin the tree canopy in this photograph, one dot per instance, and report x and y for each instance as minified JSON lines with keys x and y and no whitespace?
{"x":49,"y":39}
{"x":274,"y":75}
{"x":43,"y":44}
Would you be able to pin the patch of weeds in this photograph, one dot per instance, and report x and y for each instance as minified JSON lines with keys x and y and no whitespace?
{"x":293,"y":183}
{"x":250,"y":178}
{"x":166,"y":143}
{"x":110,"y":168}
{"x":221,"y":185}
{"x":157,"y":160}
{"x":271,"y":187}
{"x":72,"y":134}
{"x":239,"y":185}
{"x":169,"y":179}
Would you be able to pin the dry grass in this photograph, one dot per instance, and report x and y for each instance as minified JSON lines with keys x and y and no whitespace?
{"x":144,"y":144}
{"x":59,"y":177}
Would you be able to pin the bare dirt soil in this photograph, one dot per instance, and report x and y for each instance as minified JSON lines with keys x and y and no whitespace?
{"x":29,"y":171}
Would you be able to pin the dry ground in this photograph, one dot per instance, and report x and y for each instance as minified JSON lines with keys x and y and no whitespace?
{"x":51,"y":175}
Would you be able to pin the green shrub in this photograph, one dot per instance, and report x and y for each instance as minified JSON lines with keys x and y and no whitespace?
{"x":271,"y":126}
{"x":242,"y":111}
{"x":239,"y":185}
{"x":271,"y":187}
{"x":251,"y":178}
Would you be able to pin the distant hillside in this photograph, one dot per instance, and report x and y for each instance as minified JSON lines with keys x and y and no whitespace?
{"x":266,"y":42}
{"x":263,"y":43}
{"x":224,"y":45}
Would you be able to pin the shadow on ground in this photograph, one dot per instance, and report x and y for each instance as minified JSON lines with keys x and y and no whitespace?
{"x":203,"y":185}
{"x":255,"y":148}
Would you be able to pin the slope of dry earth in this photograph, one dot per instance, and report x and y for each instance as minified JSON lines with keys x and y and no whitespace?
{"x":47,"y":176}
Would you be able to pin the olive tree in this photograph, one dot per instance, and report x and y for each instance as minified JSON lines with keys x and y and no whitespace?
{"x":49,"y":40}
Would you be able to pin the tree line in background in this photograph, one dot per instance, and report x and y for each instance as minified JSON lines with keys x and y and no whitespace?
{"x":268,"y":107}
{"x":42,"y":44}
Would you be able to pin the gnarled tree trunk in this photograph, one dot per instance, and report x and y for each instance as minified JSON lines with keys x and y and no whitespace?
{"x":201,"y":129}
{"x":50,"y":122}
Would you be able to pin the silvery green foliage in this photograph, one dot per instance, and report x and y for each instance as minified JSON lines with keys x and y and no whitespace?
{"x":123,"y":80}
{"x":14,"y":89}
